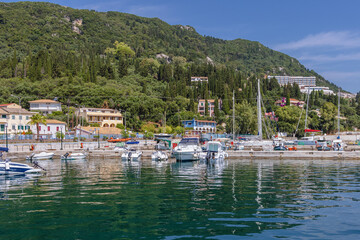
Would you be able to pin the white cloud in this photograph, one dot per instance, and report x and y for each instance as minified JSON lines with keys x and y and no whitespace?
{"x":329,"y":58}
{"x":342,"y":39}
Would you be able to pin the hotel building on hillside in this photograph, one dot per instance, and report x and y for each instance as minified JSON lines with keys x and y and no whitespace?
{"x":105,"y":117}
{"x":196,"y":127}
{"x":305,"y":81}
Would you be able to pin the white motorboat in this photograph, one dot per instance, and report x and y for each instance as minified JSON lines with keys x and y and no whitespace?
{"x":159,"y":156}
{"x":73,"y":156}
{"x":187,"y":150}
{"x":40,"y":156}
{"x":338,"y":145}
{"x":8,"y":167}
{"x":214,"y":152}
{"x":131,"y":154}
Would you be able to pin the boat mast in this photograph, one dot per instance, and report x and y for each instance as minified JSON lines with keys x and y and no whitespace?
{"x":233,"y":116}
{"x":338,"y":114}
{"x":259,"y":111}
{"x":307,"y":109}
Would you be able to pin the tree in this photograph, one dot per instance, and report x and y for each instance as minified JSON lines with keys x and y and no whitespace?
{"x":60,"y":135}
{"x":288,"y":101}
{"x":206,"y":108}
{"x":328,"y":117}
{"x":37,"y":119}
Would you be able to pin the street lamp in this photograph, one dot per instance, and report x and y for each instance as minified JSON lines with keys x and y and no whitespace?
{"x":7,"y":145}
{"x":99,"y":138}
{"x":61,"y":140}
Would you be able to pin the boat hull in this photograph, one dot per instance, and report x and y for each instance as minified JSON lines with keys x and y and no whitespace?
{"x":186,"y":156}
{"x":16,"y":168}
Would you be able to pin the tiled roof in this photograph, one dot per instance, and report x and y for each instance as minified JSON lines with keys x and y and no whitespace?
{"x":43,"y":101}
{"x":54,"y":121}
{"x":18,"y":111}
{"x":102,"y":130}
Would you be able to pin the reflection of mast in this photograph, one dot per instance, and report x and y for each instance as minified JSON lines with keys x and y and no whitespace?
{"x":259,"y":187}
{"x":233,"y":184}
{"x":307,"y":109}
{"x":233,"y":116}
{"x":259,"y":111}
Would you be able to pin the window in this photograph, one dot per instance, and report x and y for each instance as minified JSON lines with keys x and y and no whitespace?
{"x":20,"y":117}
{"x":3,"y":116}
{"x":57,"y":129}
{"x":27,"y":117}
{"x":13,"y":117}
{"x":39,"y":128}
{"x":2,"y":127}
{"x":49,"y":128}
{"x":13,"y":127}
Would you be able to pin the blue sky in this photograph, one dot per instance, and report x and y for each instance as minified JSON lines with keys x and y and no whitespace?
{"x":323,"y":34}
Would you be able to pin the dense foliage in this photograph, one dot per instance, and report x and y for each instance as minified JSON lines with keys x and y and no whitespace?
{"x":87,"y":58}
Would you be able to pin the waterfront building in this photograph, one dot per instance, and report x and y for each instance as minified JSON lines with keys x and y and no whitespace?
{"x":14,"y":118}
{"x":293,"y":102}
{"x":49,"y":130}
{"x":211,"y":106}
{"x":105,"y":117}
{"x":308,"y":89}
{"x":45,"y":106}
{"x":199,"y":79}
{"x":300,"y":80}
{"x":197,"y":127}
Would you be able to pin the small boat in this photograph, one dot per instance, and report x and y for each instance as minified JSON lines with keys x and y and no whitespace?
{"x":187,"y":150}
{"x":119,"y":140}
{"x":40,"y":156}
{"x":131,"y":154}
{"x":120,"y":146}
{"x":132,"y":142}
{"x":73,"y":156}
{"x":159,"y":156}
{"x":8,"y":167}
{"x":213,"y":153}
{"x":338,"y":145}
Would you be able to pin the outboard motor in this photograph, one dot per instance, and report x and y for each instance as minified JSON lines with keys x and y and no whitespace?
{"x":31,"y":157}
{"x":208,"y":156}
{"x":7,"y":164}
{"x":129,"y":156}
{"x":66,"y":155}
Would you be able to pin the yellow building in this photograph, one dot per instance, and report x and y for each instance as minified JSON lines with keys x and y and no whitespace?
{"x":103,"y":116}
{"x":15,"y":118}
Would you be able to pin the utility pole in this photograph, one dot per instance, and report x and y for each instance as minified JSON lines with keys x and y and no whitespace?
{"x":307,"y":109}
{"x":259,"y":112}
{"x":338,"y":114}
{"x":233,"y":115}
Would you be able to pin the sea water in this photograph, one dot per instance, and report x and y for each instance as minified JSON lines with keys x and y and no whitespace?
{"x":114,"y":199}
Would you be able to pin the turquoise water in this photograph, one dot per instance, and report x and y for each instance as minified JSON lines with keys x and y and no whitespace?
{"x":111,"y":199}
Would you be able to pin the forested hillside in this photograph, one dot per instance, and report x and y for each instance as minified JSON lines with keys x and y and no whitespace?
{"x":142,"y":66}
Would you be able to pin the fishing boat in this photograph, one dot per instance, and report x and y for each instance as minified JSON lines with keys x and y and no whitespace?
{"x":213,"y":152}
{"x":8,"y":167}
{"x":187,"y":150}
{"x":131,"y":154}
{"x":73,"y":156}
{"x":159,"y":156}
{"x":40,"y":156}
{"x":119,"y":140}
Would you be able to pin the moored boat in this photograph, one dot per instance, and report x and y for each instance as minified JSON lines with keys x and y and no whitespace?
{"x":131,"y":154}
{"x":73,"y":156}
{"x":8,"y":167}
{"x":187,"y":150}
{"x":213,"y":152}
{"x":40,"y":156}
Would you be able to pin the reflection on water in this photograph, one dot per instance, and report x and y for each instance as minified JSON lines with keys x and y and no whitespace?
{"x":115,"y":199}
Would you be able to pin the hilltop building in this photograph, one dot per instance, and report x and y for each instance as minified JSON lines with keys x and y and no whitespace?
{"x":293,"y":102}
{"x":305,"y":81}
{"x":105,"y":117}
{"x":45,"y":106}
{"x":199,"y":79}
{"x":211,"y":106}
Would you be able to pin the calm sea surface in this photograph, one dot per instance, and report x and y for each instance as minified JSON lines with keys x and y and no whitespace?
{"x":112,"y":199}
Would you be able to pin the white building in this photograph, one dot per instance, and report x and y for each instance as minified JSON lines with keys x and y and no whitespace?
{"x":50,"y":129}
{"x":326,"y":90}
{"x":46,"y":106}
{"x":300,"y":80}
{"x":15,"y":118}
{"x":199,"y":79}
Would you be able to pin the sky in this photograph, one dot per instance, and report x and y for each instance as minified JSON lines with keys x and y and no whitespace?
{"x":324,"y":35}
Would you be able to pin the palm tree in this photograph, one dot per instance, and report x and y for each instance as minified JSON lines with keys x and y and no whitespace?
{"x":37,"y":119}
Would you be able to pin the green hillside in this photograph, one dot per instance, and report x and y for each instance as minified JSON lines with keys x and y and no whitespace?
{"x":32,"y":26}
